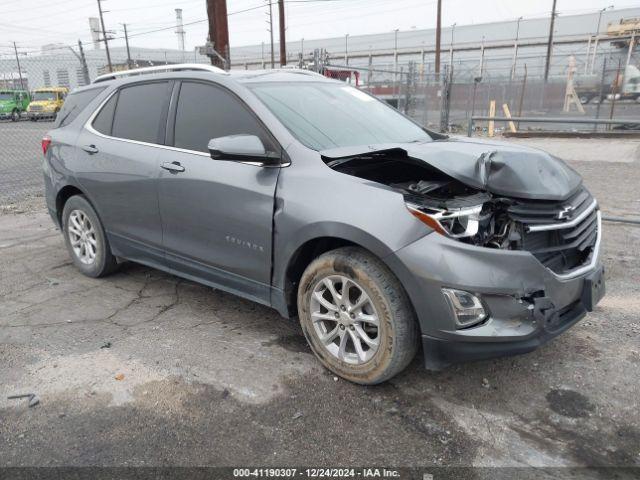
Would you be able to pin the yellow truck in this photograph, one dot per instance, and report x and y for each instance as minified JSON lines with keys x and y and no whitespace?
{"x":46,"y":102}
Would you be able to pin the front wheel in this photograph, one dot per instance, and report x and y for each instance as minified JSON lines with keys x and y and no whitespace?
{"x":85,"y":238}
{"x":356,"y":316}
{"x":15,"y":116}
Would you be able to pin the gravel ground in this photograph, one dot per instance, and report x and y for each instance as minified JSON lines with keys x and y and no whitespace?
{"x":143,"y":368}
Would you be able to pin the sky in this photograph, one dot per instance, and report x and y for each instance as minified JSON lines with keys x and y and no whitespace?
{"x":151,"y":23}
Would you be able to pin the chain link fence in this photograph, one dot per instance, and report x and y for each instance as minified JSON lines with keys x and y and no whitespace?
{"x":443,"y":102}
{"x":42,"y":78}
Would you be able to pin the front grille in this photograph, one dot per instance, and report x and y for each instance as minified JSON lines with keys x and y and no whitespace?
{"x":561,"y":235}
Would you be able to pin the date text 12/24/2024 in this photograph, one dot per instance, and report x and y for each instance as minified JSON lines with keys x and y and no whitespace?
{"x":315,"y":473}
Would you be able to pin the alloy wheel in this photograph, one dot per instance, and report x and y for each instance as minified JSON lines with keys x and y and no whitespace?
{"x":345,"y":319}
{"x":82,"y":236}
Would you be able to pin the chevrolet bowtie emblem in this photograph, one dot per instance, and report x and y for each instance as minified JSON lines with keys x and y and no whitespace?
{"x":565,"y":212}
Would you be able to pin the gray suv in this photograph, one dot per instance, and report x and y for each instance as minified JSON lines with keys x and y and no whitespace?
{"x":314,"y":198}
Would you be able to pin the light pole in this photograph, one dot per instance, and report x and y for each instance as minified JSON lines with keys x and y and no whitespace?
{"x":547,"y":64}
{"x":453,"y":29}
{"x":515,"y":49}
{"x":597,"y":34}
{"x":346,"y":49}
{"x":395,"y":61}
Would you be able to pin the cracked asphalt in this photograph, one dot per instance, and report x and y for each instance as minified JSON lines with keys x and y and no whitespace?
{"x":143,"y":368}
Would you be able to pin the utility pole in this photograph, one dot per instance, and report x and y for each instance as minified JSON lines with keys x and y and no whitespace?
{"x":597,"y":35}
{"x":346,"y":49}
{"x":453,"y":29}
{"x":126,"y":42}
{"x":550,"y":42}
{"x":104,"y":36}
{"x":395,"y":61}
{"x":438,"y":32}
{"x":179,"y":29}
{"x":283,"y":41}
{"x":219,"y":33}
{"x":273,"y":62}
{"x":515,"y":50}
{"x":15,"y":49}
{"x":83,"y":62}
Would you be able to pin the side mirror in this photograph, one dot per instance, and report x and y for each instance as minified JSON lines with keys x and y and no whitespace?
{"x":241,"y":148}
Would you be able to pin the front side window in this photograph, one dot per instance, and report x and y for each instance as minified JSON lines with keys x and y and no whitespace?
{"x":331,"y":115}
{"x":138,"y":112}
{"x":205,"y":111}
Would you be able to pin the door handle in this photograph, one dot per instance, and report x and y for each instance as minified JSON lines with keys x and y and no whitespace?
{"x":90,"y":149}
{"x":173,"y":167}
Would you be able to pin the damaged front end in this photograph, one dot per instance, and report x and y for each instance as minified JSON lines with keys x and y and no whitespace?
{"x":515,"y":259}
{"x":559,"y":227}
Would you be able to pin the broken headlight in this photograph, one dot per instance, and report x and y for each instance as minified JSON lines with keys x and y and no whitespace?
{"x":456,"y":223}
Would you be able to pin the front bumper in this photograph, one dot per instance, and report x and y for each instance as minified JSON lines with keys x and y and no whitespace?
{"x":528,"y":304}
{"x":40,"y":114}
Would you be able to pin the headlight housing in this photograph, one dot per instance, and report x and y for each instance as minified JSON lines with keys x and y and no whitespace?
{"x":455,"y":223}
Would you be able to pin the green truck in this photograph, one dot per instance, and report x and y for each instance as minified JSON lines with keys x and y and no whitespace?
{"x":13,"y":103}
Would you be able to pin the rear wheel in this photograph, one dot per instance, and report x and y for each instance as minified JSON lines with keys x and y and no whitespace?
{"x":356,"y":316}
{"x":85,"y":238}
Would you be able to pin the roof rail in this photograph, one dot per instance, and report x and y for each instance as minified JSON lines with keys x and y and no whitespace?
{"x":178,"y":67}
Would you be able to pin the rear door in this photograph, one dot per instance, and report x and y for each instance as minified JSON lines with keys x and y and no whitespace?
{"x":118,"y":166}
{"x":217,"y":215}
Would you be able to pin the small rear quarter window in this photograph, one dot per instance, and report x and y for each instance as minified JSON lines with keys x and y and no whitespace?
{"x":74,"y":104}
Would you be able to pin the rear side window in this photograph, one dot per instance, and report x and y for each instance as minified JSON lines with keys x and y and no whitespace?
{"x":74,"y":104}
{"x":139,"y":111}
{"x":205,"y":112}
{"x":104,"y":120}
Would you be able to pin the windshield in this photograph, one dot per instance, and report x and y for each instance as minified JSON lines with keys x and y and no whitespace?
{"x":40,"y":96}
{"x":6,"y":96}
{"x":329,"y":115}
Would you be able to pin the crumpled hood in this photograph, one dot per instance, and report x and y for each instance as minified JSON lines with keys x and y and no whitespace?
{"x":497,"y":167}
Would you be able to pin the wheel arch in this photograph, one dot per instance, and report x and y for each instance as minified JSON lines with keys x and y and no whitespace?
{"x":287,"y":278}
{"x":63,"y":195}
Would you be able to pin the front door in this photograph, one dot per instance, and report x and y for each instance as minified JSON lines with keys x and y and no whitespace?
{"x":216,"y":215}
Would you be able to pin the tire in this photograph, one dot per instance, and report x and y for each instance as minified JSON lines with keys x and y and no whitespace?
{"x":15,"y":116}
{"x":388,"y":346}
{"x":83,"y":235}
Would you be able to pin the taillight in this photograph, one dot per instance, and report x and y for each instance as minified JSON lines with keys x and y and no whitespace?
{"x":46,"y":141}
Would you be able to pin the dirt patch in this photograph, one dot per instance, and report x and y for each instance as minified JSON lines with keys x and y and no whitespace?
{"x":293,"y":343}
{"x":569,"y":403}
